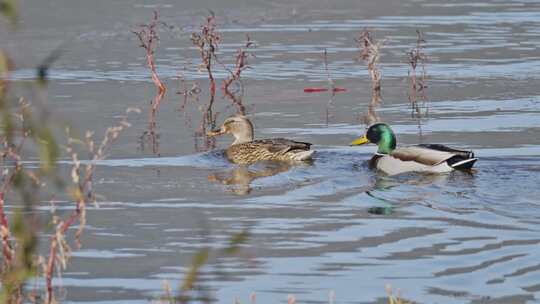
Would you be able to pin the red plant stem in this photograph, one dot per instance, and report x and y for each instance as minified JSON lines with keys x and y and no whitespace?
{"x":208,"y":31}
{"x":212,"y":83}
{"x":237,"y":101}
{"x":155,"y":104}
{"x":61,"y":229}
{"x":77,"y":215}
{"x":155,"y":78}
{"x":318,"y":89}
{"x":50,"y":268}
{"x":412,"y":96}
{"x":207,"y":57}
{"x":7,"y":249}
{"x":148,"y":38}
{"x":6,"y":246}
{"x":150,"y":56}
{"x":209,"y":120}
{"x":240,"y":65}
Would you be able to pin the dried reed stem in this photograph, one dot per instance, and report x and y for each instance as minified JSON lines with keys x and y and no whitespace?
{"x":331,"y":84}
{"x":370,"y":54}
{"x":82,"y":193}
{"x":415,"y":56}
{"x":240,"y":64}
{"x":207,"y":42}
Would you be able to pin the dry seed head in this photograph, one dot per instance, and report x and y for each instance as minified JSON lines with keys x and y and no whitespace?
{"x":291,"y":299}
{"x":4,"y":231}
{"x":89,"y":134}
{"x":75,"y":175}
{"x":125,"y":124}
{"x":63,"y":248}
{"x":133,"y":109}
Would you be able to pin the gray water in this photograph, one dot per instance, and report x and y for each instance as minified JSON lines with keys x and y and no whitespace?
{"x":333,"y":225}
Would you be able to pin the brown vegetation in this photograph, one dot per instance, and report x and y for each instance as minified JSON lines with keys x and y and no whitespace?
{"x":21,"y":261}
{"x":370,"y":49}
{"x":149,"y":39}
{"x":240,"y":64}
{"x":207,"y":43}
{"x":417,"y":85}
{"x":82,"y":193}
{"x":26,"y":131}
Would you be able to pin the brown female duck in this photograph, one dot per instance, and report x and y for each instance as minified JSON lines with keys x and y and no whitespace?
{"x":246,"y":150}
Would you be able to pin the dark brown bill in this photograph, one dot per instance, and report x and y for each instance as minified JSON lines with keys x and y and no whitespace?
{"x":214,"y":132}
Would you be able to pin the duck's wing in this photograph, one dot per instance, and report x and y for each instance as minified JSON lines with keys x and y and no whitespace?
{"x":429,"y":155}
{"x":281,"y":145}
{"x":443,"y":148}
{"x":461,"y":159}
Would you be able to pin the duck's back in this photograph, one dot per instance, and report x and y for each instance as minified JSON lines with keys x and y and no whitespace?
{"x":280,"y":149}
{"x":422,"y":154}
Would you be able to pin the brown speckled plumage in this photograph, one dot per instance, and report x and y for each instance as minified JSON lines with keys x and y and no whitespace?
{"x":280,"y":149}
{"x":245,"y":150}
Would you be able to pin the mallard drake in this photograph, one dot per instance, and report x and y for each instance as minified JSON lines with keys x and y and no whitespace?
{"x":433,"y":158}
{"x":245,"y":150}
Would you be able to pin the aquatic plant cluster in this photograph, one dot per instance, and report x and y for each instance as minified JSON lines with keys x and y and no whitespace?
{"x":28,"y":130}
{"x":207,"y":42}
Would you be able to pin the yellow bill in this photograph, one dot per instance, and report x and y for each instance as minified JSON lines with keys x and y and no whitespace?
{"x":360,"y":141}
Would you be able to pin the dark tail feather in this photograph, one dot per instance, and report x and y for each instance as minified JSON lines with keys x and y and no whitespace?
{"x":463,"y":164}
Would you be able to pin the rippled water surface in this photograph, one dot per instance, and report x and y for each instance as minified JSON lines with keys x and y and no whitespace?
{"x":332,"y":225}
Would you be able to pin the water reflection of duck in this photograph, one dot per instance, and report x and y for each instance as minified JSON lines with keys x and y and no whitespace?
{"x":245,"y":150}
{"x":432,"y":158}
{"x":241,"y":177}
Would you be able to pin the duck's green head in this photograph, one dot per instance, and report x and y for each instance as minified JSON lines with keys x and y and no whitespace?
{"x":380,"y":134}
